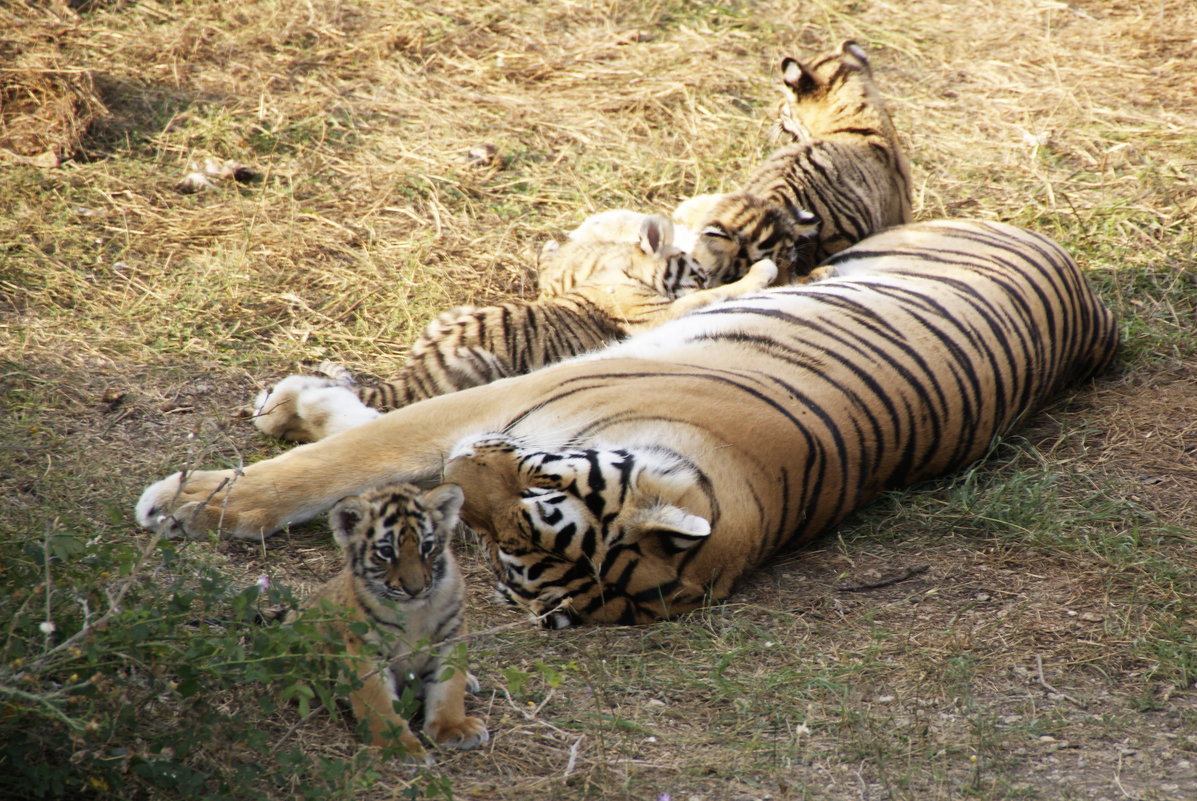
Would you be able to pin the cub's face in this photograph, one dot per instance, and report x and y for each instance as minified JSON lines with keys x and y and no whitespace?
{"x":819,"y":92}
{"x":648,"y":258}
{"x":740,"y":229}
{"x":395,"y":536}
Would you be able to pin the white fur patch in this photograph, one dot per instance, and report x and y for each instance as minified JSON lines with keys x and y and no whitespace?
{"x":156,"y":496}
{"x":289,"y":387}
{"x":684,"y":238}
{"x":338,"y":407}
{"x":615,"y":225}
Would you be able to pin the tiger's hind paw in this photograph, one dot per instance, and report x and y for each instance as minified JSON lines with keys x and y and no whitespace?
{"x":306,"y":408}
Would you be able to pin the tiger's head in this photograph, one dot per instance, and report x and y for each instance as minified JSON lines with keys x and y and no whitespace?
{"x":650,"y":259}
{"x":395,"y":537}
{"x":737,"y":229}
{"x":581,"y":535}
{"x":833,"y":92}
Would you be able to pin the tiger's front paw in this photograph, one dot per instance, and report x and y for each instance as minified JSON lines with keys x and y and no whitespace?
{"x":200,"y":506}
{"x":467,"y":733}
{"x":304,"y":408}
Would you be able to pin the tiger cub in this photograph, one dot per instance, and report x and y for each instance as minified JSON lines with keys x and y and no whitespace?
{"x":401,"y":579}
{"x":596,"y":254}
{"x":625,"y":225}
{"x":592,"y":294}
{"x":845,"y":165}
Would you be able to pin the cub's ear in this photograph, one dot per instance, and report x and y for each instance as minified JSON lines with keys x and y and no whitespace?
{"x":548,"y":250}
{"x":656,"y":234}
{"x":345,"y":517}
{"x":445,"y":503}
{"x":797,"y":77}
{"x":852,"y":52}
{"x":672,"y":527}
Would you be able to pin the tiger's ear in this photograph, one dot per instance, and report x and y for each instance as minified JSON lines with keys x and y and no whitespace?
{"x":797,"y":77}
{"x":445,"y":503}
{"x":672,"y":527}
{"x":345,"y":517}
{"x":656,"y":234}
{"x":854,"y":54}
{"x":549,"y":250}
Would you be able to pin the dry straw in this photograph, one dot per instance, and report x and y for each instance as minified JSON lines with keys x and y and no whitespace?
{"x":47,"y":104}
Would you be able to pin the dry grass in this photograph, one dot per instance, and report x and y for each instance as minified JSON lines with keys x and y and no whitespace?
{"x":133,"y":315}
{"x":46,"y":102}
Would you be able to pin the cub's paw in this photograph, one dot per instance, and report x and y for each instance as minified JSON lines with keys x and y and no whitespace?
{"x":304,"y":408}
{"x":467,"y":733}
{"x":762,"y":273}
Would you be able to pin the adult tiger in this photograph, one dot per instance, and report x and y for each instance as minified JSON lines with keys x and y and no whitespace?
{"x":845,"y":165}
{"x":644,"y":480}
{"x":593,"y":293}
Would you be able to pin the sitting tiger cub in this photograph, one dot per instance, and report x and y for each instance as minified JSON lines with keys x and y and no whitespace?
{"x":400,"y":577}
{"x":845,"y":165}
{"x":593,"y":293}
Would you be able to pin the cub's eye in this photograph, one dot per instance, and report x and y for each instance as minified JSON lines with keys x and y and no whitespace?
{"x":717,"y":231}
{"x":385,"y":552}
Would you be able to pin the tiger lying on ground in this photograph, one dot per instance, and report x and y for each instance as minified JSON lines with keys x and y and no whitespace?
{"x":400,"y":578}
{"x":645,"y":479}
{"x":845,"y":165}
{"x":610,"y":290}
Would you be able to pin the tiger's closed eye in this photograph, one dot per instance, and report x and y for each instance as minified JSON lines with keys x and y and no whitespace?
{"x":716,"y":231}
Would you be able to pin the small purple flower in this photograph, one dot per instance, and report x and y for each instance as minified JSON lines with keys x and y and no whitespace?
{"x":263,"y":582}
{"x":664,"y":797}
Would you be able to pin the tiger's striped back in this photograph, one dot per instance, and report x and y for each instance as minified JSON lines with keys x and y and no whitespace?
{"x":469,"y":346}
{"x":845,"y":165}
{"x":786,"y":411}
{"x":593,"y":293}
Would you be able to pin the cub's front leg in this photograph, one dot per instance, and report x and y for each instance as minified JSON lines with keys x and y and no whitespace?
{"x":759,"y":276}
{"x":374,"y":703}
{"x":445,"y":720}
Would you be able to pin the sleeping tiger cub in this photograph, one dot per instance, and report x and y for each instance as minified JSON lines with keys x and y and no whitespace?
{"x":648,"y":478}
{"x":592,"y":294}
{"x":400,"y":578}
{"x":845,"y":165}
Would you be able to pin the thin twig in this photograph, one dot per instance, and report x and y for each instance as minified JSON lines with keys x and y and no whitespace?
{"x":1043,"y":683}
{"x":909,"y":572}
{"x":572,"y":762}
{"x":114,"y":608}
{"x":48,"y":631}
